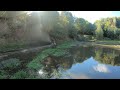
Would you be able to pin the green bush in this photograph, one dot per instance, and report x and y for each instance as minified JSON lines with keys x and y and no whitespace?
{"x":72,"y":33}
{"x":80,"y":38}
{"x":34,"y":64}
{"x":60,"y":50}
{"x":88,"y":37}
{"x":66,"y":44}
{"x":3,"y":74}
{"x":10,"y":63}
{"x":11,"y":46}
{"x":55,"y":52}
{"x":59,"y":34}
{"x":20,"y":75}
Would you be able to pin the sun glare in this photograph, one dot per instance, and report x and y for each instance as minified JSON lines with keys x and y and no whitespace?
{"x":29,"y":12}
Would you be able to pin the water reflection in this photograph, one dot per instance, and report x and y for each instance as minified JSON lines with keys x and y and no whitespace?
{"x":85,"y":63}
{"x":101,"y":68}
{"x":107,"y":56}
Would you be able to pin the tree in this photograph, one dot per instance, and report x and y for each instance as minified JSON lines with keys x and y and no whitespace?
{"x":118,"y":22}
{"x":84,"y":27}
{"x":80,"y":25}
{"x":49,"y":20}
{"x":67,"y":22}
{"x":99,"y":32}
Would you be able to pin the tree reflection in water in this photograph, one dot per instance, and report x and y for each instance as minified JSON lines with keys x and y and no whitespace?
{"x":107,"y":56}
{"x":55,"y":66}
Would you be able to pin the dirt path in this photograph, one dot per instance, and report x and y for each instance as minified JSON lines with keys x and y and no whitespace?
{"x":33,"y":49}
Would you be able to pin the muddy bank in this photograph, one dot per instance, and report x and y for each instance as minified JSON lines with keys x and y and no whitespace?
{"x":22,"y":51}
{"x":117,"y":47}
{"x":39,"y":48}
{"x":101,"y":44}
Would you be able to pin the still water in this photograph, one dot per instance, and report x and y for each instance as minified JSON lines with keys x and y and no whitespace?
{"x":87,"y":62}
{"x":83,"y":62}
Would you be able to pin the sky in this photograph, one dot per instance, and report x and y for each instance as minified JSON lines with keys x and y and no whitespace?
{"x":92,"y":16}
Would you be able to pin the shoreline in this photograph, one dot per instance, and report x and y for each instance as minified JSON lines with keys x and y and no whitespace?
{"x":96,"y":43}
{"x":117,"y":47}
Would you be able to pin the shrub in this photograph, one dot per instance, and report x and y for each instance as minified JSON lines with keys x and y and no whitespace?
{"x":34,"y":64}
{"x":59,"y":34}
{"x":10,"y":63}
{"x":3,"y":74}
{"x":20,"y":75}
{"x":72,"y":33}
{"x":56,"y":52}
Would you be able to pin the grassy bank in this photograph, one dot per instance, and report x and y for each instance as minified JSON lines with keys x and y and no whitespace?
{"x":109,"y":42}
{"x":58,"y":51}
{"x":35,"y":65}
{"x":18,"y":46}
{"x":115,"y":44}
{"x":12,"y":47}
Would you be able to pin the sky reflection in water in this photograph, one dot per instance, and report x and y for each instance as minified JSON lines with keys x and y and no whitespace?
{"x":94,"y":64}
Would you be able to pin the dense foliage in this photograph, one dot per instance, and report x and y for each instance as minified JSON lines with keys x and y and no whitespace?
{"x":109,"y":27}
{"x":19,"y":27}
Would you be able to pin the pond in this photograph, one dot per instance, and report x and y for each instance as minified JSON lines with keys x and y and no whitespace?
{"x":83,"y":62}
